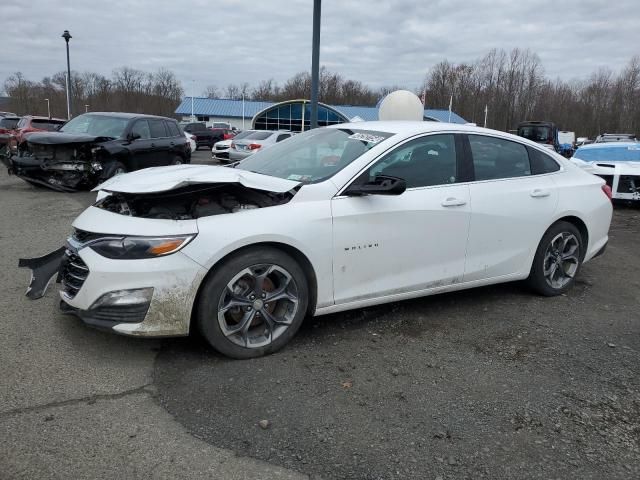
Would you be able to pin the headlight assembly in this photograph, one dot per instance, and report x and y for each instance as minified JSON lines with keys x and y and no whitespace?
{"x":135,"y":248}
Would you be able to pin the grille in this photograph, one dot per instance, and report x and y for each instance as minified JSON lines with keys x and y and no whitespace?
{"x":629,"y":184}
{"x":73,"y":273}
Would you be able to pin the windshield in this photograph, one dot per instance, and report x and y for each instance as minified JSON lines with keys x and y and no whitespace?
{"x":98,"y":125}
{"x":315,"y":155}
{"x":618,"y":153}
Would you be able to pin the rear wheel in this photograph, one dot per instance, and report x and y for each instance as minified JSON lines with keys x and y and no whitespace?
{"x":177,"y":160}
{"x":557,"y":260}
{"x":253,"y":304}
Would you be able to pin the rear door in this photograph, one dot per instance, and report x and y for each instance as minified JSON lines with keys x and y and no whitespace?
{"x":512,"y":207}
{"x":160,"y":143}
{"x":140,"y":148}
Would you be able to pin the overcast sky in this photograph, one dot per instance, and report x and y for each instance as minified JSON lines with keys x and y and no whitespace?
{"x":378,"y":42}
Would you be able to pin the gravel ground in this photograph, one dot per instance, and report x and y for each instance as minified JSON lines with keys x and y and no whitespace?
{"x":488,"y":383}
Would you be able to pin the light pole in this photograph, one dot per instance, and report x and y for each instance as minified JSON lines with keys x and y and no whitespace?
{"x":67,"y":36}
{"x":315,"y":63}
{"x":48,"y":108}
{"x":193,"y":88}
{"x":86,"y":108}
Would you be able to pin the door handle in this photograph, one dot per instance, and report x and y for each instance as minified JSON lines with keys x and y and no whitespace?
{"x":171,"y":143}
{"x":539,"y":193}
{"x":453,"y":202}
{"x":153,"y":145}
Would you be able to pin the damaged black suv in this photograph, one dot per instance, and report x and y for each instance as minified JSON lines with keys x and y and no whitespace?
{"x":95,"y":146}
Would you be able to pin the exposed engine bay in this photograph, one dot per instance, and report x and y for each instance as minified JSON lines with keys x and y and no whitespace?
{"x":62,"y":166}
{"x":193,"y":201}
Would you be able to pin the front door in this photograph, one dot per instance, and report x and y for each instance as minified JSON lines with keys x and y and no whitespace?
{"x":385,"y":245}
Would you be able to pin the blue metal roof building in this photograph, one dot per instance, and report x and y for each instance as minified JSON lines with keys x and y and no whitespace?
{"x":217,"y":109}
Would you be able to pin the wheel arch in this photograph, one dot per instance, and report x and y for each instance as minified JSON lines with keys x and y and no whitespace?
{"x":295,"y":253}
{"x":582,"y":228}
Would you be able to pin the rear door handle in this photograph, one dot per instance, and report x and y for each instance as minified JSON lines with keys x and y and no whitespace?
{"x":153,"y":145}
{"x":539,"y":193}
{"x":453,"y":202}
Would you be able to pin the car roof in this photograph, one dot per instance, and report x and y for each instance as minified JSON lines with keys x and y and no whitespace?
{"x":127,"y":115}
{"x":415,"y":127}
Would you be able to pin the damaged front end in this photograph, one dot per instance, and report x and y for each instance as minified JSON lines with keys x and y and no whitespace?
{"x":60,"y":163}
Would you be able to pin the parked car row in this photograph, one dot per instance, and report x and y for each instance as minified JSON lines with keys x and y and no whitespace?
{"x":93,"y":147}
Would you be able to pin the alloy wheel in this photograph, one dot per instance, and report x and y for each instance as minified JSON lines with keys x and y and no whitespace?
{"x":561,"y":260}
{"x":258,"y":305}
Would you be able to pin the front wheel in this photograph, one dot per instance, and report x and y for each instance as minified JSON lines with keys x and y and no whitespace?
{"x":253,"y":304}
{"x":557,"y":260}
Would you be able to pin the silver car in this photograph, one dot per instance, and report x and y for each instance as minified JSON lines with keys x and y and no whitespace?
{"x":254,"y":142}
{"x":220,"y":150}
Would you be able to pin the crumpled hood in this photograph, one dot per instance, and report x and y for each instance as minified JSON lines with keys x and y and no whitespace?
{"x":162,"y":179}
{"x":61,"y":138}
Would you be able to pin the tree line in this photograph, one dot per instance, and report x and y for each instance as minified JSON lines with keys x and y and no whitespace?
{"x":512,"y":86}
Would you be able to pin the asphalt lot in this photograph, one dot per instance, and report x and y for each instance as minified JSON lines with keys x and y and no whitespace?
{"x":487,"y":383}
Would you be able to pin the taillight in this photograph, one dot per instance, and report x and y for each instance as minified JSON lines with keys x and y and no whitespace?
{"x":607,"y":191}
{"x":254,"y":146}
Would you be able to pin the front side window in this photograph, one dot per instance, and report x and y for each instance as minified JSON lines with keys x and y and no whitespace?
{"x":495,"y":158}
{"x":315,"y":155}
{"x":141,"y":128}
{"x":422,"y":162}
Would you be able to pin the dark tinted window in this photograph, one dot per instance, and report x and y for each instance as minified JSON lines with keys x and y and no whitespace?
{"x":284,"y":136}
{"x":141,"y":127}
{"x":157,"y":129}
{"x":50,"y":125}
{"x":535,"y":133}
{"x":195,"y":127}
{"x":422,"y":162}
{"x":9,"y":123}
{"x":173,"y":129}
{"x":541,"y":162}
{"x":497,"y":158}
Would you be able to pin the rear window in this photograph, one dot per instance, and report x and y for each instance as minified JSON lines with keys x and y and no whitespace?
{"x":9,"y":122}
{"x":50,"y":125}
{"x":535,"y":133}
{"x":195,"y":127}
{"x":259,"y":135}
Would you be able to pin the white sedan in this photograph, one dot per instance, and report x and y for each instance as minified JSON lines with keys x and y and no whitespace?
{"x":333,"y":219}
{"x":192,"y":141}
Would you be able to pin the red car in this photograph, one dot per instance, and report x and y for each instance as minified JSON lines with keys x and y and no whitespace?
{"x":227,"y":133}
{"x":31,"y":123}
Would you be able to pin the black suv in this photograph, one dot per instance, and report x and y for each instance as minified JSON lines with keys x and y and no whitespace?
{"x":95,"y":146}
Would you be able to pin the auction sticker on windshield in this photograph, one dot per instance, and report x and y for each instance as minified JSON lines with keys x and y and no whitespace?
{"x":366,"y":137}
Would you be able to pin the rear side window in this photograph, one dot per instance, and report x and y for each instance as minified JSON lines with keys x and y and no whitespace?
{"x":541,"y":162}
{"x":495,"y":158}
{"x":9,"y":122}
{"x":284,"y":136}
{"x":173,"y":129}
{"x":157,"y":129}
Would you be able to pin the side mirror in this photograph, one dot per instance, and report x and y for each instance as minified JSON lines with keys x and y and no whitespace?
{"x":133,"y":136}
{"x":381,"y":185}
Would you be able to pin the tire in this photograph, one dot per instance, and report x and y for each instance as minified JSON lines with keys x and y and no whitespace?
{"x":557,"y":260}
{"x":177,"y":160}
{"x":235,"y":323}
